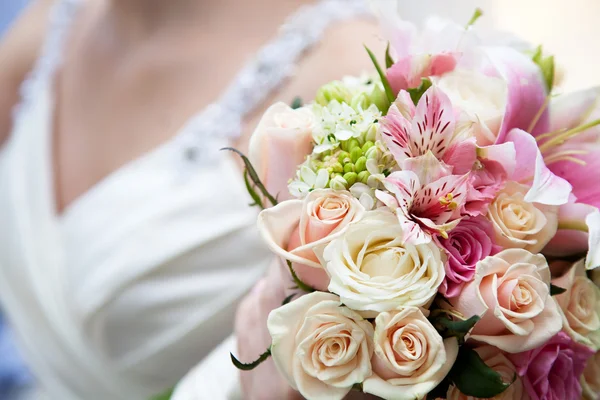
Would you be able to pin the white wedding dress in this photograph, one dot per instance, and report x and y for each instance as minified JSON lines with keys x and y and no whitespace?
{"x":138,"y":279}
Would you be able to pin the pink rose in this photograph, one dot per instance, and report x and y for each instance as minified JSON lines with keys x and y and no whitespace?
{"x":468,"y":243}
{"x":552,"y":371}
{"x":496,"y":360}
{"x":590,"y":381}
{"x":299,"y":230}
{"x":511,"y":293}
{"x":280,"y":142}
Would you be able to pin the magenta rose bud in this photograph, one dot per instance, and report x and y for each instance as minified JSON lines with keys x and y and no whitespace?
{"x":552,"y":371}
{"x":471,"y":241}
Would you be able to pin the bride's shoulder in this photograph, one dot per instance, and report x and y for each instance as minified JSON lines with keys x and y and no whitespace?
{"x":19,"y":49}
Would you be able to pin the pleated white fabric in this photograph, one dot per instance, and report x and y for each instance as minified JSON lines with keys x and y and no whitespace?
{"x":139,"y":278}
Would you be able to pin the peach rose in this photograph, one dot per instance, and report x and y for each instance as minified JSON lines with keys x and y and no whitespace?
{"x":280,"y":142}
{"x":321,"y":347}
{"x":580,"y":306}
{"x":590,"y":381}
{"x":520,"y":224}
{"x":299,"y":230}
{"x":511,"y":293}
{"x":496,"y":360}
{"x":411,"y":358}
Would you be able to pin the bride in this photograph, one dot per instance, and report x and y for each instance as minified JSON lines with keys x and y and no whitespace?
{"x":126,"y":239}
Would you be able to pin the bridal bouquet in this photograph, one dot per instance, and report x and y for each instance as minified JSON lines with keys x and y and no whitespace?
{"x":441,"y":227}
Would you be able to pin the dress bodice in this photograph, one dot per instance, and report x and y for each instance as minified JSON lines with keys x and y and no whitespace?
{"x":138,"y":278}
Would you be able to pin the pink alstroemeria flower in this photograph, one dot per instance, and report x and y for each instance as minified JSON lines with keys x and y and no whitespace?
{"x":418,"y":136}
{"x":424,"y":210}
{"x":407,"y":72}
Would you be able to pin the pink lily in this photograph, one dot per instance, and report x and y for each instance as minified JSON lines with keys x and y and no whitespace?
{"x":416,"y":135}
{"x":578,"y":233}
{"x":407,"y":72}
{"x":425,"y":209}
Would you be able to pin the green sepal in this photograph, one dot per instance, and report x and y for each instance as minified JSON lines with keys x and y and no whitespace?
{"x":556,"y":290}
{"x":388,"y":58}
{"x":452,"y":328}
{"x":358,"y":387}
{"x":546,"y":65}
{"x":474,"y":378}
{"x":417,"y":93}
{"x":301,"y":285}
{"x":386,"y":84}
{"x":296,"y":103}
{"x":164,"y":396}
{"x":440,"y":391}
{"x":250,"y":366}
{"x":249,"y":169}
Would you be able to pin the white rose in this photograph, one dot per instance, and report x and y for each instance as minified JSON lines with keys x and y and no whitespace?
{"x":280,"y":142}
{"x":481,"y":98}
{"x":372,"y":270}
{"x":519,"y":223}
{"x":590,"y":380}
{"x":580,"y":306}
{"x":321,"y":347}
{"x":496,"y":360}
{"x":511,"y":293}
{"x":411,"y":358}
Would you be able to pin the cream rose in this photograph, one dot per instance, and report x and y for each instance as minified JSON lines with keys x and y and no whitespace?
{"x":372,"y":270}
{"x":411,"y":358}
{"x":580,"y":306}
{"x":590,"y":381}
{"x":497,"y":361}
{"x":520,"y":224}
{"x":299,"y":230}
{"x":481,"y":100}
{"x":511,"y":293}
{"x":280,"y":142}
{"x":321,"y":347}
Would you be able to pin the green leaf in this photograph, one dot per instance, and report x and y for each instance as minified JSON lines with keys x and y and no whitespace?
{"x":252,"y":192}
{"x":301,"y":285}
{"x":386,"y":84}
{"x":556,"y":290}
{"x":164,"y":396}
{"x":296,"y":103}
{"x":288,"y":299}
{"x":546,"y":65}
{"x":253,"y":175}
{"x":473,"y":377}
{"x":417,"y":93}
{"x":248,"y":367}
{"x":476,"y":14}
{"x":388,"y":58}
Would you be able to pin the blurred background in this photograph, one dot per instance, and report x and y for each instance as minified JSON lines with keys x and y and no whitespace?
{"x":567,"y":29}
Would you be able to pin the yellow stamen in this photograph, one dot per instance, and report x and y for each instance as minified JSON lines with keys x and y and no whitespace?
{"x":566,"y":155}
{"x":538,"y":115}
{"x":448,"y":201}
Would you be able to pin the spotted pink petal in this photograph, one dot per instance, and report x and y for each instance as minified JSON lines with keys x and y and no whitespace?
{"x":526,"y":90}
{"x":546,"y":188}
{"x":395,"y":133}
{"x":433,"y":124}
{"x":404,"y":185}
{"x":412,"y":232}
{"x":431,"y":200}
